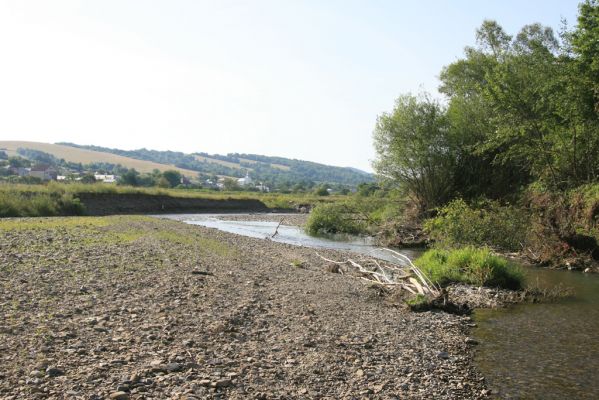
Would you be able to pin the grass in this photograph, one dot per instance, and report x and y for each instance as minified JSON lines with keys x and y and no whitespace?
{"x":473,"y":266}
{"x":53,"y":198}
{"x":99,"y":231}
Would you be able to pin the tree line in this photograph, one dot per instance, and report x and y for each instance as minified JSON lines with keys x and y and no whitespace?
{"x":516,"y":110}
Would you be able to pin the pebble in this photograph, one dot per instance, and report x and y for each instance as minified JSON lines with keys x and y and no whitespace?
{"x":54,"y":372}
{"x":119,"y":396}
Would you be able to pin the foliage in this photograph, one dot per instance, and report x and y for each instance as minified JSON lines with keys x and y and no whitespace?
{"x":43,"y":204}
{"x":322,"y":190}
{"x":354,"y":214}
{"x":173,"y":177}
{"x":414,"y":149}
{"x":471,"y":266}
{"x":88,"y":178}
{"x":520,"y":109}
{"x":334,"y":218}
{"x":486,"y":224}
{"x":272,"y":171}
{"x":231,"y":184}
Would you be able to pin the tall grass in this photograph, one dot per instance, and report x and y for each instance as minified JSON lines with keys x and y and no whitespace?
{"x":54,"y":198}
{"x":472,"y":266}
{"x":22,"y":204}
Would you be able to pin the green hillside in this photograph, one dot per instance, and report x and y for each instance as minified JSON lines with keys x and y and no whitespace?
{"x":270,"y":170}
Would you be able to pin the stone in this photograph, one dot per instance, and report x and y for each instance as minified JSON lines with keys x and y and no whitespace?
{"x":119,"y":396}
{"x":54,"y":372}
{"x":222,"y":383}
{"x":173,"y":367}
{"x":470,"y":340}
{"x":443,"y":355}
{"x":360,"y":373}
{"x":36,"y":374}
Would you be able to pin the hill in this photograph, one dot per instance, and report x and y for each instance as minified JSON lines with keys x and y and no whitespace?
{"x":271,"y":170}
{"x":87,"y":156}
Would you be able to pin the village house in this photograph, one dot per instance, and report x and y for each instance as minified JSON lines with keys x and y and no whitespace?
{"x":245,"y":181}
{"x":43,"y":172}
{"x":105,"y":178}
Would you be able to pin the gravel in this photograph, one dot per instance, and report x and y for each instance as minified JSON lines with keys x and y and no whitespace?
{"x":142,"y":308}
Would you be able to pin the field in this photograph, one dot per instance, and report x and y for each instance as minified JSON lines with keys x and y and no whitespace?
{"x":84,"y":156}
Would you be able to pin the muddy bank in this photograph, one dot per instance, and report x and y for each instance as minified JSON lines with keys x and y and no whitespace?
{"x":137,"y":307}
{"x":134,"y":203}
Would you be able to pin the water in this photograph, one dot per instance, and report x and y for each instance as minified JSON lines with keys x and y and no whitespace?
{"x":528,"y":351}
{"x":290,"y":234}
{"x":544,"y":351}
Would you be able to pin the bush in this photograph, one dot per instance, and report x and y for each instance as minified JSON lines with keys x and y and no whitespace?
{"x":489,"y":224}
{"x":334,"y":218}
{"x":27,"y":204}
{"x":472,"y":266}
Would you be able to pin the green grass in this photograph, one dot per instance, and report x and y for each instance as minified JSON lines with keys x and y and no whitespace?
{"x":53,"y":198}
{"x":472,"y":266}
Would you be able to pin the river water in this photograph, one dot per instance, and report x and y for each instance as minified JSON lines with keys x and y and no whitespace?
{"x":290,"y":235}
{"x":528,"y":351}
{"x":544,"y":351}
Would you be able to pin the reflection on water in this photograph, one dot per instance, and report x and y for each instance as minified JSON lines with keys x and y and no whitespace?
{"x":290,"y":234}
{"x":544,"y":351}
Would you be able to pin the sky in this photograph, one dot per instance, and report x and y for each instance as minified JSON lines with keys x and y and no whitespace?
{"x":298,"y":79}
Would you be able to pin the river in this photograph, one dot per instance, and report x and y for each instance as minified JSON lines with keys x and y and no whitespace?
{"x":528,"y":351}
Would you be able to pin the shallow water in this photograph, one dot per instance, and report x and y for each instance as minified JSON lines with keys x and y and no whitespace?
{"x":290,"y":234}
{"x":544,"y":351}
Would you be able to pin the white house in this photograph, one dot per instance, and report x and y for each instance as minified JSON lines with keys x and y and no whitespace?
{"x":245,"y":181}
{"x":105,"y":178}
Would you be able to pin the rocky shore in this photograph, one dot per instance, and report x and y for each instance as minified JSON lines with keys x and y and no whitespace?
{"x":143,"y":308}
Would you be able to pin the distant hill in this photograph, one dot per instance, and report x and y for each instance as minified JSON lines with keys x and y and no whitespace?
{"x":270,"y":170}
{"x":86,"y":156}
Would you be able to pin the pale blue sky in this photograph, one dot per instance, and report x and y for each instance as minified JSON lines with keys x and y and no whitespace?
{"x":300,"y":79}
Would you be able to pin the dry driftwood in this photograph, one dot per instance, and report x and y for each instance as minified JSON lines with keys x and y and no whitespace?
{"x":277,"y":228}
{"x":404,"y":275}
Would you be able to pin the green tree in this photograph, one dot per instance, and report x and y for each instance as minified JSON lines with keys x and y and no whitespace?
{"x":173,"y":177}
{"x":414,"y":149}
{"x":130,"y":178}
{"x":88,"y":178}
{"x":231,"y":184}
{"x":322,"y":190}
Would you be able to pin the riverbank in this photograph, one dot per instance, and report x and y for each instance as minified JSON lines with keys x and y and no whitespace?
{"x":150,"y":307}
{"x":68,"y":199}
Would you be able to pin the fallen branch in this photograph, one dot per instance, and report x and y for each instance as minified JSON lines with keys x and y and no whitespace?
{"x":277,"y":228}
{"x":408,"y":277}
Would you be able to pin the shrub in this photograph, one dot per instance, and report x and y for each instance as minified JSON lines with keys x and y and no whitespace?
{"x":489,"y":224}
{"x":472,"y":266}
{"x":334,"y":218}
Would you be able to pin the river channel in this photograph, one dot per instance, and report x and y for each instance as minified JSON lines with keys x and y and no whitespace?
{"x":528,"y":351}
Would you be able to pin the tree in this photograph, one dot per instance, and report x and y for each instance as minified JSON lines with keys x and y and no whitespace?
{"x":88,"y":178}
{"x":231,"y":184}
{"x":322,"y":190}
{"x":18,"y":162}
{"x":413,"y":149}
{"x":130,"y":178}
{"x":173,"y":177}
